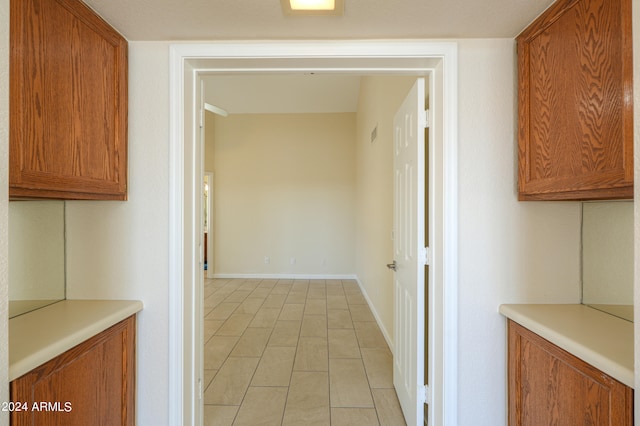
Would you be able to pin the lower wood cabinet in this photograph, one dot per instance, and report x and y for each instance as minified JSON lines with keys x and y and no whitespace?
{"x":549,"y":386}
{"x":90,"y":384}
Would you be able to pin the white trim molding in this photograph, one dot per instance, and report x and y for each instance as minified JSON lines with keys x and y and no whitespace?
{"x":376,"y":315}
{"x":438,"y":59}
{"x":176,"y":238}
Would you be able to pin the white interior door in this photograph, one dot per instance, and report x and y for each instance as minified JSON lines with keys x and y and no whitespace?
{"x":409,"y":253}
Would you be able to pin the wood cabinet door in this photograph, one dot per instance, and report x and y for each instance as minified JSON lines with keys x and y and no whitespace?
{"x":90,"y":384}
{"x":575,"y":102}
{"x":549,"y":386}
{"x":68,"y":103}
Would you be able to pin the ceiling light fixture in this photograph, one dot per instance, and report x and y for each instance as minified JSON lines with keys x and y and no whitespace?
{"x":312,"y":7}
{"x":312,"y":4}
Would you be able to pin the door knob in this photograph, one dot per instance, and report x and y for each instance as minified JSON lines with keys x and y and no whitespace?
{"x":393,"y":266}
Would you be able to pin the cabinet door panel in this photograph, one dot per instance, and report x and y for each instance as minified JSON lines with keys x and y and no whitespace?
{"x":549,"y":386}
{"x":68,"y":132}
{"x":90,"y":384}
{"x":575,"y":102}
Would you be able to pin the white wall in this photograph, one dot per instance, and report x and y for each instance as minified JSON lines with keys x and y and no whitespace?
{"x":4,"y":205}
{"x":509,"y":251}
{"x":119,"y":250}
{"x":380,"y":97}
{"x":607,"y":252}
{"x":284,"y":187}
{"x":36,"y":244}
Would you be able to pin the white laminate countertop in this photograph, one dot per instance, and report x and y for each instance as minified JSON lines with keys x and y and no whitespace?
{"x":39,"y":336}
{"x":598,"y":338}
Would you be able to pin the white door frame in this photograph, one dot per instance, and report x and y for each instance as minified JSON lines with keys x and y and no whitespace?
{"x":187,"y":62}
{"x":210,"y":245}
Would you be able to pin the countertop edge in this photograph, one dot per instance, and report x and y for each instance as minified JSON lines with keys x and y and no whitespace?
{"x":64,"y":325}
{"x":572,"y":344}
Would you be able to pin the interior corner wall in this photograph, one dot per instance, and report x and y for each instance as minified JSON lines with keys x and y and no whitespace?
{"x":380,"y":97}
{"x":36,"y":244}
{"x":607,"y":252}
{"x":284,"y":189}
{"x":4,"y":206}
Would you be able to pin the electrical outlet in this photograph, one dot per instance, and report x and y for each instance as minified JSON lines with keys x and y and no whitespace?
{"x":267,"y":259}
{"x":292,"y":261}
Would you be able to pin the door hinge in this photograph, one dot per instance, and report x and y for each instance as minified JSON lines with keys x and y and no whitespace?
{"x":425,"y":255}
{"x":424,"y":395}
{"x":199,"y":388}
{"x":425,"y":118}
{"x":201,"y":118}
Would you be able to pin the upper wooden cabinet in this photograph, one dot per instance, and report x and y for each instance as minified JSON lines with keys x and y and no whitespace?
{"x":575,"y":102}
{"x":68,"y":103}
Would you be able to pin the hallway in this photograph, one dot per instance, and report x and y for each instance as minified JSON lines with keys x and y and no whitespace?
{"x":294,"y":352}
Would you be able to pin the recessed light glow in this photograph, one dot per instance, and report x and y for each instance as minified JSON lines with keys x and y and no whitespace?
{"x":312,"y":7}
{"x":313,"y":4}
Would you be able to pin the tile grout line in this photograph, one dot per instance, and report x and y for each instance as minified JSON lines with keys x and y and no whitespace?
{"x":295,"y":355}
{"x":260,"y":358}
{"x":328,"y":353}
{"x":364,"y":367}
{"x":308,"y":285}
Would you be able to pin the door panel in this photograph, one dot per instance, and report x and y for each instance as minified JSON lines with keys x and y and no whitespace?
{"x":409,"y":231}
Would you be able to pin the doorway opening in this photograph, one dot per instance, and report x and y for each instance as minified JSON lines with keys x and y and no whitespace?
{"x":187,"y":63}
{"x":305,"y":183}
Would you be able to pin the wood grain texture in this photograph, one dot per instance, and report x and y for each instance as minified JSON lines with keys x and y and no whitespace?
{"x":68,"y":103}
{"x":96,"y":379}
{"x":549,"y":386}
{"x":575,"y":110}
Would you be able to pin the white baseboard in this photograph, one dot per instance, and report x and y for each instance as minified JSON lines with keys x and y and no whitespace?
{"x":289,"y":276}
{"x":384,"y":331}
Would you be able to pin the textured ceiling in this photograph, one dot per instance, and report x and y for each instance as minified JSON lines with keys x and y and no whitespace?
{"x":363,"y":19}
{"x":182,"y":20}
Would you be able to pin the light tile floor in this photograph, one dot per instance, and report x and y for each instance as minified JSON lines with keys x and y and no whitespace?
{"x":294,"y":352}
